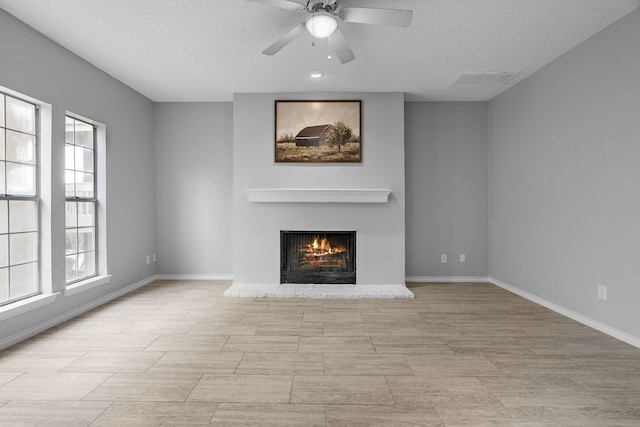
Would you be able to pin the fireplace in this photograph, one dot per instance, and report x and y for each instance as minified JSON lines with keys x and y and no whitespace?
{"x":322,"y":257}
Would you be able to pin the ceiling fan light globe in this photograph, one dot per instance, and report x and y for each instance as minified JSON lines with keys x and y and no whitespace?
{"x":321,"y":26}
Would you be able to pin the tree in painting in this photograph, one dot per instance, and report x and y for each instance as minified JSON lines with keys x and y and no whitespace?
{"x":339,"y":134}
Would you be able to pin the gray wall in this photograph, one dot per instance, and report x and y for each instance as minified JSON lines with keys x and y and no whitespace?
{"x":37,"y":67}
{"x":446,"y":172}
{"x":564,"y":179}
{"x":193,"y":148}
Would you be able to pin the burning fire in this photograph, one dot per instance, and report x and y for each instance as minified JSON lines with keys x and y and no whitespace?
{"x":320,"y":253}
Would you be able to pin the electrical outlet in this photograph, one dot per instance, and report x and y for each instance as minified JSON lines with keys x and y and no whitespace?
{"x":155,"y":258}
{"x":148,"y":259}
{"x":463,"y":258}
{"x":602,"y":292}
{"x":443,"y":258}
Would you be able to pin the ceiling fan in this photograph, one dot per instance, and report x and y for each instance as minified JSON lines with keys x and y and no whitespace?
{"x":321,"y":22}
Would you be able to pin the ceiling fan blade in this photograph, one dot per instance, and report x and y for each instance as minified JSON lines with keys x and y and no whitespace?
{"x":282,"y":4}
{"x":286,"y":39}
{"x":367,"y":15}
{"x":342,"y":48}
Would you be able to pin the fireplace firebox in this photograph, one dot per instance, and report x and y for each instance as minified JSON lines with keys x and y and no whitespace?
{"x":322,"y":257}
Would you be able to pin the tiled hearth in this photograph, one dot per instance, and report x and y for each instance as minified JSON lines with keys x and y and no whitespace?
{"x":318,"y":291}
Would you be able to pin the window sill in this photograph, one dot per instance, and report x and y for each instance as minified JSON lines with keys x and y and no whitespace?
{"x":25,"y":305}
{"x":85,"y":285}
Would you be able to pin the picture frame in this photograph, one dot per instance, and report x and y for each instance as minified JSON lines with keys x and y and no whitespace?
{"x":318,"y":131}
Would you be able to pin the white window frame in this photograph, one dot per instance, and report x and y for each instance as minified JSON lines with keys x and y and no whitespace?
{"x":102,"y":277}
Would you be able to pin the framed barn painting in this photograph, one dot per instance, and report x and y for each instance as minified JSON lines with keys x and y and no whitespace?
{"x":318,"y":131}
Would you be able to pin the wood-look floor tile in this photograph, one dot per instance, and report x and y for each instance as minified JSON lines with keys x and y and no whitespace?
{"x":302,"y":329}
{"x":114,"y":361}
{"x":404,"y":345}
{"x":215,"y":316}
{"x":192,"y":362}
{"x":51,"y":414}
{"x":355,"y":329}
{"x":164,"y":327}
{"x":363,"y":390}
{"x":51,"y":386}
{"x":365,"y":364}
{"x":243,"y":389}
{"x":541,"y":391}
{"x":486,"y":345}
{"x":446,"y":391}
{"x":5,"y":377}
{"x":281,"y":364}
{"x":451,"y":365}
{"x":527,"y":364}
{"x":360,"y":305}
{"x":145,"y":387}
{"x":501,"y":416}
{"x":333,"y":316}
{"x":185,"y":306}
{"x":256,"y":414}
{"x":381,"y":415}
{"x":272,"y":317}
{"x":196,"y":342}
{"x":336,"y":344}
{"x":16,"y":360}
{"x":268,"y":344}
{"x":118,"y":342}
{"x":152,"y":414}
{"x":206,"y":327}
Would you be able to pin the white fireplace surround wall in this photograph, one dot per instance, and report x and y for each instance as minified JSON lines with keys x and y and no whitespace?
{"x":368,"y":197}
{"x":318,"y":195}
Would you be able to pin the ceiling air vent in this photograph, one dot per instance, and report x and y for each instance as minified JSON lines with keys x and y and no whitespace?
{"x":486,"y":78}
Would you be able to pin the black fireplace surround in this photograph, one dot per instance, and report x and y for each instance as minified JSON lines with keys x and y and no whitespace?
{"x":321,"y":257}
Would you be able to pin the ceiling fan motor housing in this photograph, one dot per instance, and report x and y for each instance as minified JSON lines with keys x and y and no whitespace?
{"x":314,"y":6}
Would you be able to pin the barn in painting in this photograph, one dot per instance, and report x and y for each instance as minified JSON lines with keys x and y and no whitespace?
{"x":313,"y":136}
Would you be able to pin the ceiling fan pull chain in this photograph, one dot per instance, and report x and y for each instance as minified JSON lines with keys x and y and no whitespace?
{"x":329,"y":49}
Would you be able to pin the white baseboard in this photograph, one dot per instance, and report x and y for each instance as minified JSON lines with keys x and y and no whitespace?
{"x":194,"y":276}
{"x":615,"y":333}
{"x":50,"y":323}
{"x":446,"y":279}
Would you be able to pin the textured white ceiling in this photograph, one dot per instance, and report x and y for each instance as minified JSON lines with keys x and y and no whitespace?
{"x":205,"y":50}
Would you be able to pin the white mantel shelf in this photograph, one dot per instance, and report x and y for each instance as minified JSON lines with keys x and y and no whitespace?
{"x":318,"y":195}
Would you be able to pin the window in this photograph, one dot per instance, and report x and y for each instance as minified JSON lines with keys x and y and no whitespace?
{"x":19,"y":199}
{"x":81,"y":202}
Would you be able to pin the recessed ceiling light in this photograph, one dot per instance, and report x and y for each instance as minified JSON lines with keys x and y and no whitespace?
{"x":315,"y":74}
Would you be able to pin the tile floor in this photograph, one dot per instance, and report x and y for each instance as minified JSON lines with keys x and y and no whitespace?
{"x":179,"y":353}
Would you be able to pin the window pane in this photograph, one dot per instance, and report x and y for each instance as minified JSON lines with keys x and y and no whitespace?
{"x":1,"y":110}
{"x":84,"y":184}
{"x":1,"y":144}
{"x":69,"y":186}
{"x":70,"y":267}
{"x":4,"y":285}
{"x":24,"y":248}
{"x":86,"y":239}
{"x":71,"y":241}
{"x":22,"y":216}
{"x":20,"y":115}
{"x":23,"y":280}
{"x":84,"y":159}
{"x":86,"y":214}
{"x":84,"y":134}
{"x":68,"y":130}
{"x":86,"y":264}
{"x":21,"y":179}
{"x":3,"y":188}
{"x":4,"y":250}
{"x":4,"y":216}
{"x":21,"y":147}
{"x":68,"y":157}
{"x":71,"y":218}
